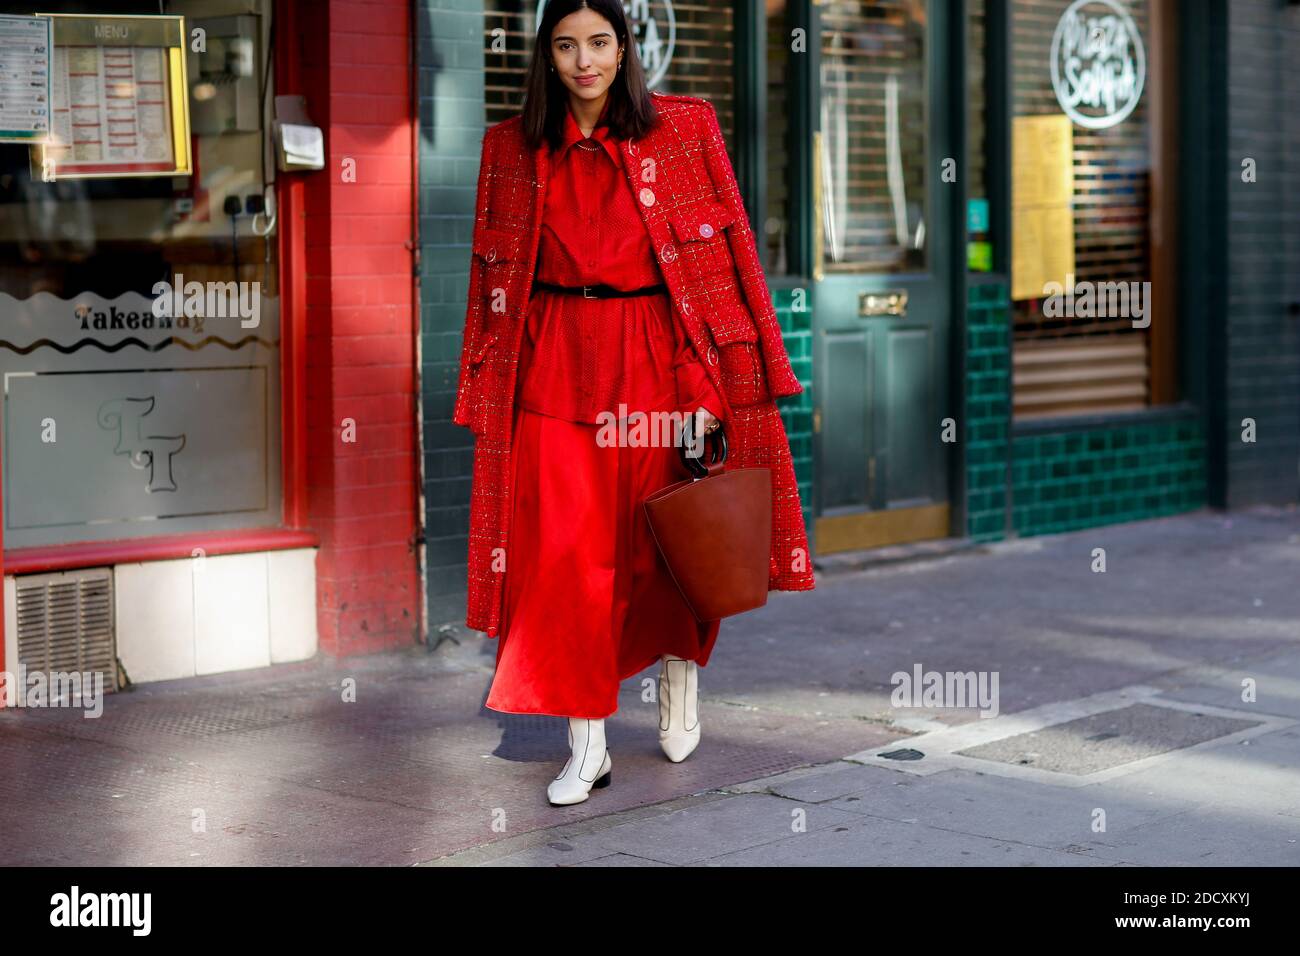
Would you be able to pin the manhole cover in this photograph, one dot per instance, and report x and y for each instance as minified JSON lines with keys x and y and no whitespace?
{"x":907,"y":753}
{"x":1108,"y":739}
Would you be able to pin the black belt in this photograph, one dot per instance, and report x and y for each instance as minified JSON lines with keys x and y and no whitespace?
{"x":600,"y":291}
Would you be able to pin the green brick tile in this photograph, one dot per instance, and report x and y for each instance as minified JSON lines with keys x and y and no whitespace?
{"x":1159,"y":471}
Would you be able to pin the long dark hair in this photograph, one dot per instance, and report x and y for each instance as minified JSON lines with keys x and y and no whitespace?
{"x":630,"y":113}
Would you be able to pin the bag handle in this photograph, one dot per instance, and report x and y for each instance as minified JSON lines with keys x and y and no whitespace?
{"x":696,"y":465}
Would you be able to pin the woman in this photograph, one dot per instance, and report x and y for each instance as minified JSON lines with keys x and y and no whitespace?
{"x":583,"y":309}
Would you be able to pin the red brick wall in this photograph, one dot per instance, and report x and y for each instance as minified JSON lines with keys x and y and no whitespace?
{"x":361,"y":324}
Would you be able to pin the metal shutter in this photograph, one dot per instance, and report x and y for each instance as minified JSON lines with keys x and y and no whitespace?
{"x":1071,"y":365}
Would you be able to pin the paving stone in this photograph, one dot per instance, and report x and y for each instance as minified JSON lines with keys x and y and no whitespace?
{"x":879,"y":842}
{"x":700,"y":833}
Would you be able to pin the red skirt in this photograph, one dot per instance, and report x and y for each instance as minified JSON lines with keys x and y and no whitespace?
{"x":588,"y":599}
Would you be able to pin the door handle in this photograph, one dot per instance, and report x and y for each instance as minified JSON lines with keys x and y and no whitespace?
{"x":890,"y":302}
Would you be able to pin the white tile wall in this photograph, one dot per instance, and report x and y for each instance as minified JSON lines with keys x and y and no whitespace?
{"x":154,"y":608}
{"x":232,"y":613}
{"x":11,"y":625}
{"x":207,"y":615}
{"x":292,"y":575}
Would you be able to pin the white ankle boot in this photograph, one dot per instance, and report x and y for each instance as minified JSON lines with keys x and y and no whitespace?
{"x":588,"y":765}
{"x":679,"y":709}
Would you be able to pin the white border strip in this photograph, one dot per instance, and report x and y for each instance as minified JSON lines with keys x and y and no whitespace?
{"x":940,"y":747}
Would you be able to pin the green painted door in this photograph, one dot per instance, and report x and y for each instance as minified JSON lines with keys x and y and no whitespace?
{"x":883,"y":255}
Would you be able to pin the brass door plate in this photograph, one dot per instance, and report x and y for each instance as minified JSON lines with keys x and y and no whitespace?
{"x":892,"y":302}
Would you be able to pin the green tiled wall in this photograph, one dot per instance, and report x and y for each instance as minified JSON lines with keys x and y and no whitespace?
{"x":1081,"y":479}
{"x":797,"y":410}
{"x":988,"y":382}
{"x":1067,"y":479}
{"x":451,"y":73}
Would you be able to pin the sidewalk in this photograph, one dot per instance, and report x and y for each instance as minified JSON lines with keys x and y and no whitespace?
{"x":1142,"y":664}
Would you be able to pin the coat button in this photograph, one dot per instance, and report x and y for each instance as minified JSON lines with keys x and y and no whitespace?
{"x":647,"y":197}
{"x":706,"y":230}
{"x":713,"y":355}
{"x":668,"y":253}
{"x":492,"y":255}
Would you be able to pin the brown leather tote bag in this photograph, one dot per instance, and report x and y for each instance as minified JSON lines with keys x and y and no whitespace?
{"x":714,"y":531}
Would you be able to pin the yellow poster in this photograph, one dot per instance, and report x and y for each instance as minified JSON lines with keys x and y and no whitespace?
{"x":1042,"y":186}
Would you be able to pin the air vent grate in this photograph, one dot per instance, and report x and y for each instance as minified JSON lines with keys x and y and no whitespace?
{"x":65,"y":623}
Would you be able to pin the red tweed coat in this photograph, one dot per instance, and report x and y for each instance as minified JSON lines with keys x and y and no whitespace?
{"x":687,"y":194}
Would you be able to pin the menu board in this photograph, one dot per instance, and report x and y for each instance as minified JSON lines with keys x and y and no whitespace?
{"x":25,"y":44}
{"x":120,"y":105}
{"x":111,"y":110}
{"x":1042,"y":188}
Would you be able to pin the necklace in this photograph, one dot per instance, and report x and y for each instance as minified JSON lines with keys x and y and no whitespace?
{"x":591,"y":149}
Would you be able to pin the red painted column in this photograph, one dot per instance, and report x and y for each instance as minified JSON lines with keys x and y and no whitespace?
{"x":361,"y":322}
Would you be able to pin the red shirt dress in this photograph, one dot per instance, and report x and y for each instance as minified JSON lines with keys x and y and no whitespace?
{"x":588,"y":600}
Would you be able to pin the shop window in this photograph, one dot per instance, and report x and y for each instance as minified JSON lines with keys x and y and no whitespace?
{"x":979,"y":253}
{"x":684,"y":48}
{"x":1076,"y":355}
{"x":874,"y":143}
{"x":130,"y":410}
{"x":780,"y":198}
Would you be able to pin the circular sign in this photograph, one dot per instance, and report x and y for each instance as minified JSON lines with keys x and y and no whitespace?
{"x":654,"y":29}
{"x":1098,"y":64}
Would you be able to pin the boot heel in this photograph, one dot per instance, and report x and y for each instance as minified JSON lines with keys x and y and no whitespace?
{"x":604,"y":781}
